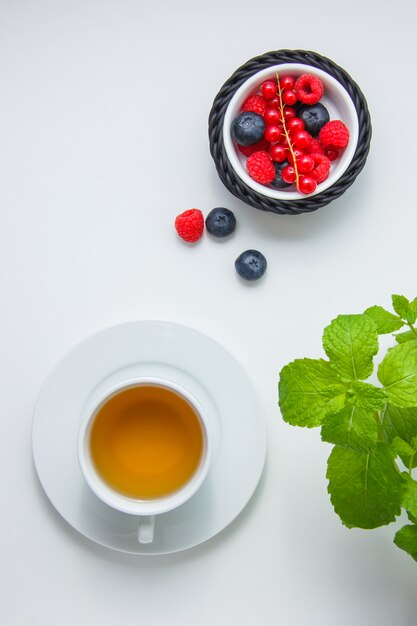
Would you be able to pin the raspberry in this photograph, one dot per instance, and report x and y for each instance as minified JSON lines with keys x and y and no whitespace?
{"x":190,"y":225}
{"x":257,"y":104}
{"x":260,"y":167}
{"x":263,"y":144}
{"x":334,"y":133}
{"x":314,"y":146}
{"x":309,"y":88}
{"x":321,"y":167}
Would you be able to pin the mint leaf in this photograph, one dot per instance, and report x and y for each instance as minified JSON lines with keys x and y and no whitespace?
{"x":367,"y":396}
{"x":400,"y":425}
{"x":401,"y":447}
{"x":405,"y":309}
{"x":365,"y":487}
{"x":309,"y":389}
{"x":408,"y":335}
{"x":352,"y":426}
{"x":350,"y":342}
{"x":406,"y":539}
{"x":405,"y":451}
{"x":412,"y":517}
{"x":385,"y":321}
{"x":398,"y":374}
{"x":336,"y":398}
{"x":409,"y":461}
{"x":370,"y":426}
{"x":409,"y":500}
{"x":398,"y":422}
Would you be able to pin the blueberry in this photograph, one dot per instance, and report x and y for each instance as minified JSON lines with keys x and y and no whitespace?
{"x":278,"y":182}
{"x":220,"y":222}
{"x":251,"y":264}
{"x":248,"y":128}
{"x":314,"y":116}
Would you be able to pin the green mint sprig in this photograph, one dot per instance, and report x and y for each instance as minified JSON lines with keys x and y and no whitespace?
{"x":372,"y":427}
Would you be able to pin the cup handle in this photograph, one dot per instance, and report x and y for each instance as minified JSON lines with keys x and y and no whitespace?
{"x":146,"y":528}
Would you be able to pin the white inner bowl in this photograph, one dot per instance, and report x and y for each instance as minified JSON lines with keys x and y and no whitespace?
{"x":336,"y":100}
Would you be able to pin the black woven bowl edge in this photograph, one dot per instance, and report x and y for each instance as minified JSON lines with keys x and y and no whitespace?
{"x":224,"y":169}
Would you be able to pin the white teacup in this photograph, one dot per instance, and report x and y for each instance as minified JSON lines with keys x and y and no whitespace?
{"x":140,"y":397}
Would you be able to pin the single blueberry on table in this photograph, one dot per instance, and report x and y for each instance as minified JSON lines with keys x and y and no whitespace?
{"x":314,"y":116}
{"x":251,"y":264}
{"x":220,"y":222}
{"x":248,"y":128}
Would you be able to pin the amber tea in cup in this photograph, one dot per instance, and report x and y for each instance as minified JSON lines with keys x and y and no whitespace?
{"x":144,"y":447}
{"x":146,"y":441}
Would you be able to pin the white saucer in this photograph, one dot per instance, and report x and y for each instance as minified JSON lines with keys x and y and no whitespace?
{"x":191,"y":359}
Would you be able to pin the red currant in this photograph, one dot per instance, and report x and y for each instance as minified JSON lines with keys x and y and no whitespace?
{"x":301,"y":139}
{"x":289,"y":96}
{"x":269,"y":89}
{"x":295,"y":124}
{"x":272,"y":133}
{"x":289,"y":112}
{"x":288,"y":174}
{"x":305,"y":164}
{"x":287,"y":82}
{"x":272,"y":116}
{"x":331,"y":153}
{"x":278,"y":153}
{"x":274,"y":103}
{"x":306,"y":184}
{"x":297,"y":155}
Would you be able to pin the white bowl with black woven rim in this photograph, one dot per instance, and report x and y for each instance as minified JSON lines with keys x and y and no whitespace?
{"x":343,"y":99}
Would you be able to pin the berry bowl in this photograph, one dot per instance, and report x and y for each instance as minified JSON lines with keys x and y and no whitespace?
{"x":231,"y":117}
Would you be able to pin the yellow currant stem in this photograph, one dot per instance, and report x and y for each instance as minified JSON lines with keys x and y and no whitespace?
{"x":287,"y":136}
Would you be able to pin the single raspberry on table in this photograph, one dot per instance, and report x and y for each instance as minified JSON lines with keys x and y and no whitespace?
{"x":260,"y":167}
{"x":309,"y":88}
{"x":321,"y":167}
{"x":334,"y":133}
{"x":190,"y":225}
{"x":256,"y":104}
{"x":263,"y":144}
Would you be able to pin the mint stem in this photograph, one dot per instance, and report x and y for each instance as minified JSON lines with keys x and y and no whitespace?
{"x":410,"y":465}
{"x":413,"y":330}
{"x":379,"y":426}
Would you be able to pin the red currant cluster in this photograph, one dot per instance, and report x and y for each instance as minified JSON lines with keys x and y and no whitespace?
{"x":294,"y":140}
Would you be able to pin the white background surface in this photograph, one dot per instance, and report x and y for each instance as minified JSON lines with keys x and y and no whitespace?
{"x":103,"y":140}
